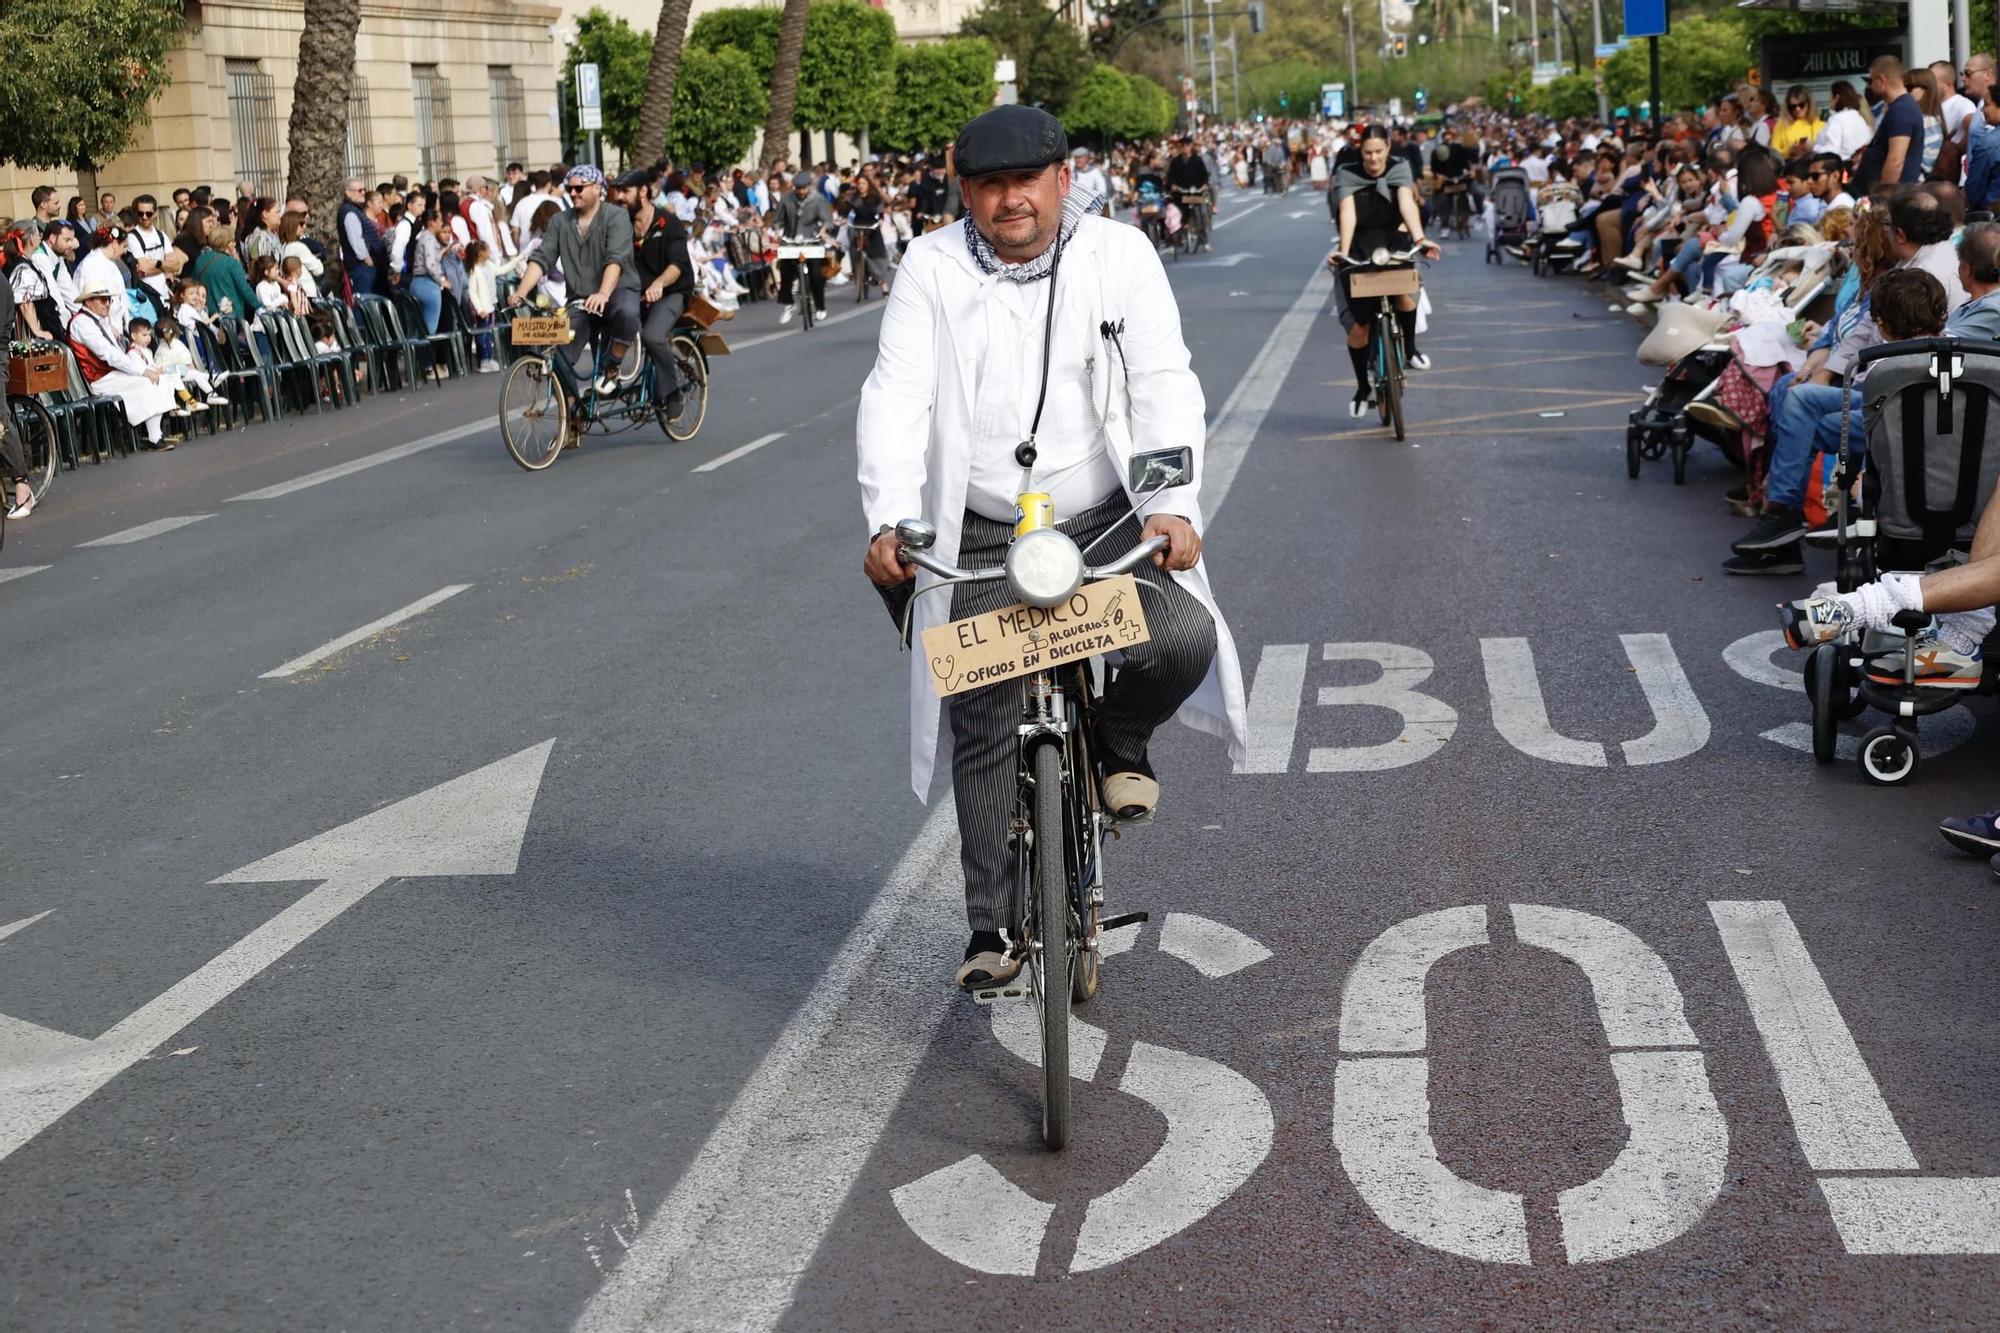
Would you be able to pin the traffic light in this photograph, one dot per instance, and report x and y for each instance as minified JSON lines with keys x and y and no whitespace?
{"x":1256,"y":17}
{"x":1401,"y":46}
{"x":1284,"y":100}
{"x":1423,"y":99}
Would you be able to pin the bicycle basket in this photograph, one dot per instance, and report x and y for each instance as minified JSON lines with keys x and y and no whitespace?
{"x":1384,"y":282}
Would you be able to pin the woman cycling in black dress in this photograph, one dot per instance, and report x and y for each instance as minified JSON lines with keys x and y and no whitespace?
{"x":1376,"y":204}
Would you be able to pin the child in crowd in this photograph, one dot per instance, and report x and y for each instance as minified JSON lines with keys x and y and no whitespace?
{"x":175,"y":355}
{"x":482,"y":293}
{"x":139,"y":343}
{"x":264,"y":279}
{"x":324,"y":337}
{"x":292,"y":278}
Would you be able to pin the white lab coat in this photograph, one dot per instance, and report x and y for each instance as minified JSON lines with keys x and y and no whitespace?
{"x":914,"y":430}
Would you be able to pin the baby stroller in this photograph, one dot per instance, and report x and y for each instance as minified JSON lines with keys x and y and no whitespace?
{"x":1662,"y":426}
{"x":1557,"y":206}
{"x":1928,"y":406}
{"x":1510,"y":211}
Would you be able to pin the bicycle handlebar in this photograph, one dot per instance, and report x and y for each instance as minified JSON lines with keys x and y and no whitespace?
{"x":950,"y":573}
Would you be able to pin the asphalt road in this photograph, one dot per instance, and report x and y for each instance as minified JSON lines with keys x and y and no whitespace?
{"x":1522,"y":979}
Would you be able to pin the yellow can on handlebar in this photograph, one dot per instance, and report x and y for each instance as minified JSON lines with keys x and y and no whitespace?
{"x":1033,"y":510}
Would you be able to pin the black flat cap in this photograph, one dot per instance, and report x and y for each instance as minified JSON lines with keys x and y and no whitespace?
{"x":636,"y":176}
{"x":1009,"y":138}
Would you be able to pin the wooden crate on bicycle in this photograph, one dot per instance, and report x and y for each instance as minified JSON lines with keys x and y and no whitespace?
{"x":541,"y":331}
{"x":1384,"y":282}
{"x":702,"y":311}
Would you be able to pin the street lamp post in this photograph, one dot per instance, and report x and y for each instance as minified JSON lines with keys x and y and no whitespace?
{"x":1597,"y":70}
{"x":1214,"y":96}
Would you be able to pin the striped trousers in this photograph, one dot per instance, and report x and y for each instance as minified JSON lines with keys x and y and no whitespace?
{"x":1155,"y":679}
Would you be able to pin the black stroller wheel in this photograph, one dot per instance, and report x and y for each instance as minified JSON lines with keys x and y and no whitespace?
{"x":1888,"y":756}
{"x":1681,"y":450}
{"x":1823,"y":672}
{"x":1632,"y":452}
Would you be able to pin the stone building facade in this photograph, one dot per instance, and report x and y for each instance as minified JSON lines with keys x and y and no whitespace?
{"x":448,"y":88}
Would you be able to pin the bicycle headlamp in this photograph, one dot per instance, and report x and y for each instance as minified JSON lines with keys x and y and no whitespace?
{"x":1044,"y":568}
{"x":1379,"y":256}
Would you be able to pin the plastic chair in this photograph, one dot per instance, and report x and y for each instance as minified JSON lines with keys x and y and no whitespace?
{"x":246,"y":367}
{"x":385,"y":332}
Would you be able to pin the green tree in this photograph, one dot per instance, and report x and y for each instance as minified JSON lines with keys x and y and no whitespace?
{"x":1156,"y":110}
{"x":719,"y":105}
{"x":1567,"y":95}
{"x":82,"y":78}
{"x":1701,"y":58}
{"x":318,"y":134}
{"x":751,"y":29}
{"x":1051,"y":56}
{"x":847,"y":72}
{"x":622,"y":56}
{"x":1104,"y":106}
{"x":939,"y":86}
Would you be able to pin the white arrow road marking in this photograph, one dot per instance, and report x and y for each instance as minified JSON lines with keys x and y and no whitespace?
{"x":367,"y":631}
{"x":1382,"y":1127}
{"x":1209,"y":947}
{"x":1219,"y":1128}
{"x":16,"y":927}
{"x":1382,"y":1008}
{"x":1019,"y":1029}
{"x":145,"y":530}
{"x":471,"y":825}
{"x":20,"y":572}
{"x":973,"y":1215}
{"x":728,"y":1246}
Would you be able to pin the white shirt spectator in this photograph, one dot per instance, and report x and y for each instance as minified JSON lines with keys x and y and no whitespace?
{"x":150,"y":244}
{"x":1846,"y":134}
{"x":97,"y":264}
{"x":1940,"y":260}
{"x":1091,"y":181}
{"x":499,"y":245}
{"x":1956,"y":108}
{"x":61,"y":283}
{"x":1537,"y":167}
{"x":309,"y":267}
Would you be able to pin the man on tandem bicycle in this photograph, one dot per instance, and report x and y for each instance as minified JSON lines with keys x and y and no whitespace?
{"x":592,"y":244}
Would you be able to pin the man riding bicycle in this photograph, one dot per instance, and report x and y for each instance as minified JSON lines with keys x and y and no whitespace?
{"x":1187,"y":177}
{"x":592,"y":244}
{"x":802,"y":215}
{"x":1376,"y":204}
{"x":1037,"y":321}
{"x":666,"y":278}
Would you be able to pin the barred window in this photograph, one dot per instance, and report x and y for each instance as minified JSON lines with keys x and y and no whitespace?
{"x":510,"y":116}
{"x":433,"y":105}
{"x":360,"y":132}
{"x":253,"y":127}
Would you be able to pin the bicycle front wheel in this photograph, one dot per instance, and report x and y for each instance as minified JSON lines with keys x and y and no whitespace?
{"x":1389,"y":391}
{"x":534,"y":413}
{"x":34,"y":430}
{"x":1054,"y":948}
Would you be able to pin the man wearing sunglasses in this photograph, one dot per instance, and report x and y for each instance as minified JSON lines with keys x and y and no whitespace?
{"x":146,"y":244}
{"x":592,"y":244}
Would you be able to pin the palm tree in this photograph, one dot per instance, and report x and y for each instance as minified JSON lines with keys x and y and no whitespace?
{"x":318,"y":161}
{"x":657,"y":110}
{"x":784,"y":83}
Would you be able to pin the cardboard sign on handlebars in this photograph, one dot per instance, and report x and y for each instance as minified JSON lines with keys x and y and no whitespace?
{"x":1018,"y":640}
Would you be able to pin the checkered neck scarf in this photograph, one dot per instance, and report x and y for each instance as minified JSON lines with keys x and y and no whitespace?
{"x":1074,"y":208}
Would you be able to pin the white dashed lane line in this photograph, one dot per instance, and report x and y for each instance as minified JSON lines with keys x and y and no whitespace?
{"x":740,"y":450}
{"x":145,"y":530}
{"x":20,"y":572}
{"x":367,"y":631}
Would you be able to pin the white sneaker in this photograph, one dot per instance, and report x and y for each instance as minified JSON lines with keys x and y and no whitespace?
{"x":838,"y":280}
{"x":1418,"y":361}
{"x":1632,"y":262}
{"x":1357,"y":408}
{"x":196,"y":405}
{"x":819,"y":313}
{"x":217,"y":400}
{"x":785,"y":315}
{"x":489,"y":366}
{"x":22,"y":510}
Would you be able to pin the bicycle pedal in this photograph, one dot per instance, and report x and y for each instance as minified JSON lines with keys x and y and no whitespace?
{"x":1017,"y":989}
{"x":1122,"y":920}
